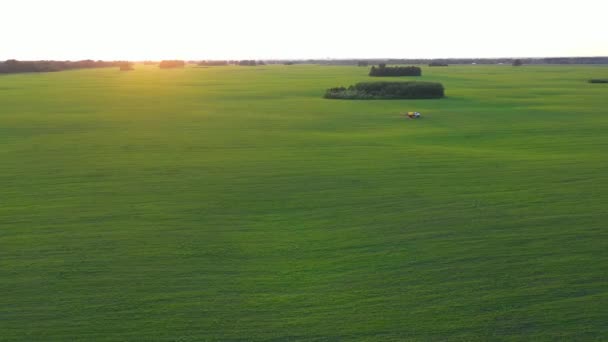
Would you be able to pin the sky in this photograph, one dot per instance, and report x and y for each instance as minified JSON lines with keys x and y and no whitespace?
{"x":275,"y":29}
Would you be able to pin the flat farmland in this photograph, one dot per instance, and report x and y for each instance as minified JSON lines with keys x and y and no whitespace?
{"x":236,"y":204}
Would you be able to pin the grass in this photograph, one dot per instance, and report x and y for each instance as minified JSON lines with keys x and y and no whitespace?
{"x":237,"y":204}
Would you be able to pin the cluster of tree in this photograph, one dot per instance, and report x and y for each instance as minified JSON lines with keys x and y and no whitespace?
{"x":598,"y":80}
{"x":382,"y":70}
{"x":518,"y":62}
{"x":362,"y":63}
{"x":169,"y":64}
{"x":437,"y":64}
{"x":387,"y":90}
{"x":14,"y":66}
{"x":212,"y":63}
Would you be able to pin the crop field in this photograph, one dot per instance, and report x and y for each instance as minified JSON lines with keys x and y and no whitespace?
{"x":236,"y":204}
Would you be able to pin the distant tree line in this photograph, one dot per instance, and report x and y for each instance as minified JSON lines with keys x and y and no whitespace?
{"x":426,"y":61}
{"x":382,"y":71}
{"x":126,"y":66}
{"x":171,"y":64}
{"x":212,"y":63}
{"x":14,"y":66}
{"x":245,"y":62}
{"x":362,"y":63}
{"x":250,"y":63}
{"x":438,"y":64}
{"x":598,"y":80}
{"x":387,"y":90}
{"x":567,"y":60}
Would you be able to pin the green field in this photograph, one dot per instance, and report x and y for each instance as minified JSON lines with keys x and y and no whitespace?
{"x":235,"y":204}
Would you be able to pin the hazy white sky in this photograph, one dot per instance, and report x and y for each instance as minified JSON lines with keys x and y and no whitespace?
{"x":242,"y":29}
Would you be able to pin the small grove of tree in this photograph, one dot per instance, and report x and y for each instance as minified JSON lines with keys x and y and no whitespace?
{"x":437,"y":64}
{"x":382,"y":70}
{"x":362,"y":63}
{"x":598,"y":80}
{"x":387,"y":90}
{"x":169,"y":64}
{"x":517,"y":62}
{"x":288,"y":63}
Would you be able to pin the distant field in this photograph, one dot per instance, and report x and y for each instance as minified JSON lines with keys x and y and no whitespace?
{"x":235,"y":203}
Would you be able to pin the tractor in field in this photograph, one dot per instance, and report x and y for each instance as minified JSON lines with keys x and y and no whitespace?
{"x":413,"y":115}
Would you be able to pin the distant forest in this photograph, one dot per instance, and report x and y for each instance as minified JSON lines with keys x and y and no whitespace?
{"x":430,"y":62}
{"x":443,"y":61}
{"x":383,"y":71}
{"x":14,"y":66}
{"x":393,"y":61}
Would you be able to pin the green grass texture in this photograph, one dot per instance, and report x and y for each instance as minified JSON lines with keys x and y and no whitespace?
{"x":236,"y":204}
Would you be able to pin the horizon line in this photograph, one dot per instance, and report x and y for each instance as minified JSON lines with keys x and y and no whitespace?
{"x":308,"y":58}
